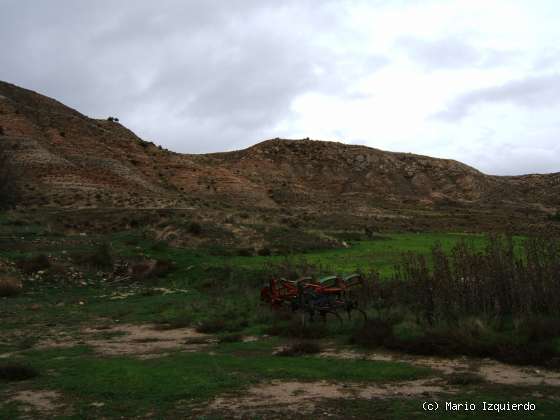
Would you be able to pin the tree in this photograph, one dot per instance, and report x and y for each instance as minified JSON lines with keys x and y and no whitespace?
{"x":8,"y":178}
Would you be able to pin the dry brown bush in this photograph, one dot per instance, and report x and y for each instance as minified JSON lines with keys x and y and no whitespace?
{"x":33,"y":264}
{"x":150,"y":269}
{"x":10,"y":285}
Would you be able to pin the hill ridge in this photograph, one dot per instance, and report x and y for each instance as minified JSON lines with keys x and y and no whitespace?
{"x":67,"y":159}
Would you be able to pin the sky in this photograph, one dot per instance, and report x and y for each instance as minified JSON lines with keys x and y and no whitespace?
{"x":473,"y":80}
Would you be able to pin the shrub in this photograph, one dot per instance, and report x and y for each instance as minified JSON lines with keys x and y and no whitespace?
{"x":500,"y":282}
{"x":195,"y":228}
{"x":10,"y":285}
{"x":245,"y":252}
{"x":264,"y":252}
{"x":177,"y":322}
{"x":17,"y":372}
{"x":231,"y":338}
{"x":100,"y":258}
{"x":540,"y":329}
{"x":217,"y":325}
{"x":9,"y":177}
{"x":211,"y":326}
{"x":374,"y":333}
{"x":160,"y":246}
{"x":430,"y":343}
{"x":300,"y":348}
{"x":407,"y":329}
{"x":151,"y":269}
{"x":33,"y":264}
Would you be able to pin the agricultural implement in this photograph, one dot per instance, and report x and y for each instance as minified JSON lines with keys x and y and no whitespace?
{"x":328,"y":296}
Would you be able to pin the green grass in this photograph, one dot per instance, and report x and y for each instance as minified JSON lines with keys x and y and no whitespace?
{"x":217,"y":288}
{"x":133,"y":386}
{"x":380,"y":254}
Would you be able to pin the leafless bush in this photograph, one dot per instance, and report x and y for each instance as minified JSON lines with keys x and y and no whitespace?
{"x":499,"y":282}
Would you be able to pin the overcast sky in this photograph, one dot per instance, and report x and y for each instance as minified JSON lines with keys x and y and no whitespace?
{"x":476,"y":81}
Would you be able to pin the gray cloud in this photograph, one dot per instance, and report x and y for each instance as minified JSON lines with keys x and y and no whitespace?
{"x":546,"y":61}
{"x":452,"y":53}
{"x":533,"y":92}
{"x":212,"y":75}
{"x":196,"y":76}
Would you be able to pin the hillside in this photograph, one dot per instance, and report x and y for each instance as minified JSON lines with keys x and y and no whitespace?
{"x":66,"y":160}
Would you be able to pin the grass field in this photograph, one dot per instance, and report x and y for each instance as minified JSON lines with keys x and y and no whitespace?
{"x":176,"y":345}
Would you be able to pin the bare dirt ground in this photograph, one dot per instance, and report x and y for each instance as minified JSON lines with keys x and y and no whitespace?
{"x":490,"y":370}
{"x":303,"y":397}
{"x":41,"y":401}
{"x":144,"y":341}
{"x":150,"y":341}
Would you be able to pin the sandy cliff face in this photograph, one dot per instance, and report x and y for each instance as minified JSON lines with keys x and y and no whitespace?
{"x":67,"y":159}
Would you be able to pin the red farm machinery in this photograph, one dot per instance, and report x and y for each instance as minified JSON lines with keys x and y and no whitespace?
{"x":326,"y":297}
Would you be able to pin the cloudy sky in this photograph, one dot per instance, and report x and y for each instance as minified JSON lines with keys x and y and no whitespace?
{"x":476,"y":81}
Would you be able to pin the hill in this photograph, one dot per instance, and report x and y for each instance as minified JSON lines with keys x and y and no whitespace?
{"x":65,"y":160}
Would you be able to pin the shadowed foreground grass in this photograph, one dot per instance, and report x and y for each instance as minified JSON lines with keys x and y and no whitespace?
{"x":133,"y":387}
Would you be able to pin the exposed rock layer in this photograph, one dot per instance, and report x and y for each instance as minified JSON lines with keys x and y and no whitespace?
{"x":66,"y":159}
